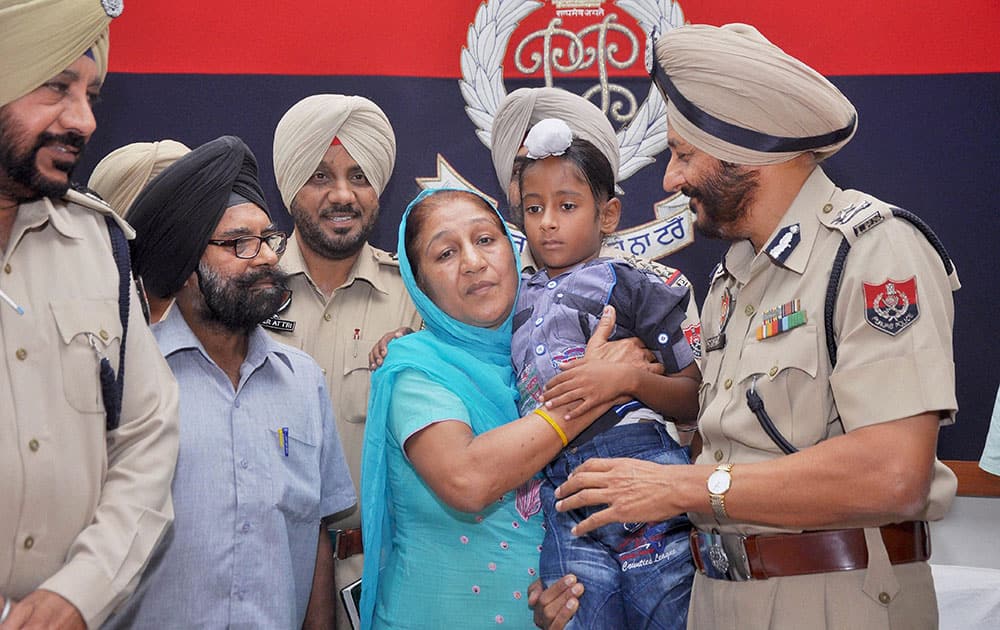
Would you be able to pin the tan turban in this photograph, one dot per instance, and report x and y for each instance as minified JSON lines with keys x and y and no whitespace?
{"x":305,"y":132}
{"x":41,"y":38}
{"x":124,"y":172}
{"x":741,"y":99}
{"x":524,"y":107}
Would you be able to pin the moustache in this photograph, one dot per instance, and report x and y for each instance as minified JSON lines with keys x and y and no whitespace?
{"x":276,"y":276}
{"x":339,"y":209}
{"x":70,"y":139}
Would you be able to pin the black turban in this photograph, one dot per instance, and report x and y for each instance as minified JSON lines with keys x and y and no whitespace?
{"x":175,"y":214}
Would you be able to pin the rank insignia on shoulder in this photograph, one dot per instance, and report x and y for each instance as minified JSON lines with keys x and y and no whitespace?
{"x":281,"y":325}
{"x":848,"y":213}
{"x":891,"y":306}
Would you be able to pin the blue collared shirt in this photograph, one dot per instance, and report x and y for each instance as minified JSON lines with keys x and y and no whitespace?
{"x":259,"y":466}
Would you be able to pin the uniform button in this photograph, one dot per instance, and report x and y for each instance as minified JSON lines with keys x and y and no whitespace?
{"x":29,"y":542}
{"x":327,"y":317}
{"x":718,"y":456}
{"x":827,"y":208}
{"x":33,"y":445}
{"x":772,"y":371}
{"x":21,"y":354}
{"x":246,"y":527}
{"x":538,"y":322}
{"x":728,"y":383}
{"x":749,"y":310}
{"x":244,"y":464}
{"x":662,"y":338}
{"x":236,"y":404}
{"x":551,"y":284}
{"x":323,"y":370}
{"x":884,"y":597}
{"x":103,"y":334}
{"x":540,"y":349}
{"x":6,"y":268}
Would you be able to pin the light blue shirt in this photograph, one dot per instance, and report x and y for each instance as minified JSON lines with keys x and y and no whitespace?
{"x":990,"y":461}
{"x":259,"y":466}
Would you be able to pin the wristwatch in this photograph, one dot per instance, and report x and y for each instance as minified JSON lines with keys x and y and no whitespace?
{"x":719,"y":483}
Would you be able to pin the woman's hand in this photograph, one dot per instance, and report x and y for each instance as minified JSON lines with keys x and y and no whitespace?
{"x":555,"y":606}
{"x":380,"y":349}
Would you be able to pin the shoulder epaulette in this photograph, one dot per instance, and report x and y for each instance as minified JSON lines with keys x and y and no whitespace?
{"x":854,"y":214}
{"x":91,"y":201}
{"x":669,"y":275}
{"x":390,"y":259}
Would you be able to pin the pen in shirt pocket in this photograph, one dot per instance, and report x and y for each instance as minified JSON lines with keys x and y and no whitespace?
{"x":357,"y":336}
{"x":283,"y":439}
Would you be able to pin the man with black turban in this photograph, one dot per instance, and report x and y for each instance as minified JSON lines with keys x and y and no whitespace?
{"x":260,"y":463}
{"x":828,"y":367}
{"x":88,"y":408}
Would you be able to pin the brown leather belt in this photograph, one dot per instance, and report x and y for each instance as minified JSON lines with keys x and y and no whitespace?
{"x":347,"y":543}
{"x":738,"y":558}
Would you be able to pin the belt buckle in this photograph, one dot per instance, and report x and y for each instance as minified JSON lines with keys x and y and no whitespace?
{"x":338,"y":535}
{"x":726,"y":555}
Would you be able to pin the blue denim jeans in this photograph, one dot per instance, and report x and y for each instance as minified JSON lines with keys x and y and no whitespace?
{"x":636,"y":575}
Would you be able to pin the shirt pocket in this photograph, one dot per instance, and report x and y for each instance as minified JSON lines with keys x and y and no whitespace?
{"x":89,"y":329}
{"x":782,"y":370}
{"x":353,"y":392}
{"x":294,"y":463}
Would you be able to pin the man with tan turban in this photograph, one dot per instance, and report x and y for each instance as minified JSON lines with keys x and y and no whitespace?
{"x":333,"y":156}
{"x":122,"y":174}
{"x":818,"y":474}
{"x":119,"y":178}
{"x":87,"y":450}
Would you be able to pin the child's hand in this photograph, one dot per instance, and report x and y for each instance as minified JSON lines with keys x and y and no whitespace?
{"x":380,"y":349}
{"x":588,"y":382}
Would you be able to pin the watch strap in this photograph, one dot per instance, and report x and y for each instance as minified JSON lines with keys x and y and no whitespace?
{"x":718,"y":501}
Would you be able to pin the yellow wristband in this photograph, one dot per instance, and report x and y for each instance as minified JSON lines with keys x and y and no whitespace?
{"x":555,"y":425}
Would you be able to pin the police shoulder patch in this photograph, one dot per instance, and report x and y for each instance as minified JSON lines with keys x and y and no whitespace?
{"x":891,"y":306}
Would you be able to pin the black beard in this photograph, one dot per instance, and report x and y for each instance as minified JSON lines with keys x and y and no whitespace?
{"x":233,"y":304}
{"x":21,"y":169}
{"x":724,"y":198}
{"x":317,"y":240}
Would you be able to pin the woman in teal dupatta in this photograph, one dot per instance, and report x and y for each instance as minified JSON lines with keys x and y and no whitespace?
{"x":452,"y":546}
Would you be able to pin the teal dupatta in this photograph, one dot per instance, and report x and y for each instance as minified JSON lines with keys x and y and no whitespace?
{"x":472,"y":362}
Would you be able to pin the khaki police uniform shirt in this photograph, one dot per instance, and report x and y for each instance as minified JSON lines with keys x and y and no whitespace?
{"x":894,"y":360}
{"x":82,"y":509}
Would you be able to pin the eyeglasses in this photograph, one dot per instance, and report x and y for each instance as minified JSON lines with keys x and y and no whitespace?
{"x":247,"y":247}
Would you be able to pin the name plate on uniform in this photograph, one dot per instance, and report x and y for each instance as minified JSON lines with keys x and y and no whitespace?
{"x":283,"y":325}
